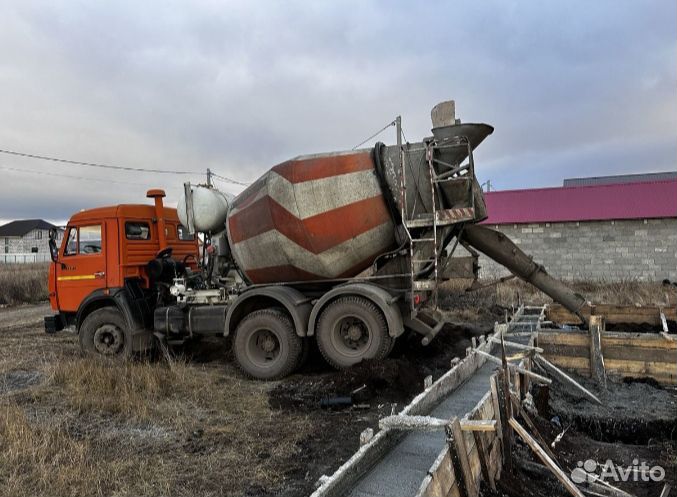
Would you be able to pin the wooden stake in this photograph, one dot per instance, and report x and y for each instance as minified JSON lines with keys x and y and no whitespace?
{"x":483,"y":454}
{"x":505,"y":414}
{"x":563,"y":376}
{"x":597,"y":370}
{"x":515,"y":345}
{"x":459,"y":457}
{"x":514,"y":367}
{"x":497,"y":408}
{"x":543,"y":456}
{"x":530,"y":424}
{"x":664,"y":324}
{"x":666,"y":490}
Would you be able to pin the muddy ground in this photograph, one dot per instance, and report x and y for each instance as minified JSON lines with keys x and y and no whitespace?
{"x":636,"y":424}
{"x":193,"y":425}
{"x":196,"y":440}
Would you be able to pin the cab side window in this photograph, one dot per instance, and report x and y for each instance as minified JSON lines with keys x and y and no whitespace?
{"x":71,"y":242}
{"x":90,"y":239}
{"x":84,"y":240}
{"x":184,"y":234}
{"x":136,"y":230}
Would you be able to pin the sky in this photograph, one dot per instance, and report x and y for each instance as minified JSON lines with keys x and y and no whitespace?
{"x":573,"y":88}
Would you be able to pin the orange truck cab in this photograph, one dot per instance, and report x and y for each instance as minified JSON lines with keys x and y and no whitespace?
{"x":104,"y":278}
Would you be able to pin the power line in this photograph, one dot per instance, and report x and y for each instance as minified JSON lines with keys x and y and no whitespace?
{"x":229,"y":180}
{"x":45,"y":173}
{"x":93,"y":164}
{"x":119,"y":168}
{"x":392,"y":123}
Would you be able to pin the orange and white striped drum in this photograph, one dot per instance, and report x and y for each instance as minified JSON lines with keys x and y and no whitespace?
{"x":312,"y":218}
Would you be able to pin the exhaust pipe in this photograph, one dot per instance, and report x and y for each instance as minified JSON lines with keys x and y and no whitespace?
{"x":158,"y":195}
{"x":500,"y":248}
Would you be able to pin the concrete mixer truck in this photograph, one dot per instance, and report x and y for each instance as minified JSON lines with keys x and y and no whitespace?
{"x":347,"y":249}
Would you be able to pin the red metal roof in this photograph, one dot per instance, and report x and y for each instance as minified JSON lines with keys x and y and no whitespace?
{"x":656,"y":199}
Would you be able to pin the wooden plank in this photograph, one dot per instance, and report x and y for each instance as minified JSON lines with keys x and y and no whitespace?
{"x":515,"y":367}
{"x":515,"y":345}
{"x":666,"y":490}
{"x":574,"y":338}
{"x":596,"y":325}
{"x":643,"y":340}
{"x":441,"y":479}
{"x":566,"y":350}
{"x":459,"y":458}
{"x":645,"y":367}
{"x":475,"y":425}
{"x":629,"y":352}
{"x":493,"y":382}
{"x":566,"y":378}
{"x":483,"y":455}
{"x":543,"y":456}
{"x":533,"y":428}
{"x":578,"y":364}
{"x":613,"y":314}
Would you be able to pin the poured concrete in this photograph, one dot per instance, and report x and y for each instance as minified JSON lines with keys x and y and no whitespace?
{"x":401,"y":471}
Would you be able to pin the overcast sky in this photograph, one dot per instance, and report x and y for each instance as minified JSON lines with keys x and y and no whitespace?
{"x":572,"y":88}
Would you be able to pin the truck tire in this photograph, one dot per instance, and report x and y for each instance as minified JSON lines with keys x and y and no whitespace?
{"x":266,"y":345}
{"x":351,"y":329}
{"x":104,"y":333}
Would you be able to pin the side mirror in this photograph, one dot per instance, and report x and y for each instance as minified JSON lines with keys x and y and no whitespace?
{"x":53,"y":249}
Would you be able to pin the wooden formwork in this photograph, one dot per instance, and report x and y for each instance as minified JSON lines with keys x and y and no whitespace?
{"x":626,"y":314}
{"x":633,"y":355}
{"x":380,"y":444}
{"x":482,"y":451}
{"x":483,"y":454}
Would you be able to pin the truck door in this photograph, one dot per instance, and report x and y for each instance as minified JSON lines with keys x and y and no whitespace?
{"x":82,"y":265}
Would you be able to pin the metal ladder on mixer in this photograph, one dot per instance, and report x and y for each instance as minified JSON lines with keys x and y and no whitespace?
{"x":416,"y":265}
{"x":435,"y":219}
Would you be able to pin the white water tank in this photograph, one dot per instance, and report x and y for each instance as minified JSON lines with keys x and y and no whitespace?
{"x":210,"y":208}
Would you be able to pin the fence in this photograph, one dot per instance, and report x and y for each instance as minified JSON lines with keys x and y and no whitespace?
{"x":28,"y":258}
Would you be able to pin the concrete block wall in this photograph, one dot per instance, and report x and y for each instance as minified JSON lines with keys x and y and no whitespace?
{"x":25,"y":244}
{"x":643,"y":249}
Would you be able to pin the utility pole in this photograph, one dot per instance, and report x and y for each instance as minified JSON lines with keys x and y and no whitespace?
{"x":209,"y":177}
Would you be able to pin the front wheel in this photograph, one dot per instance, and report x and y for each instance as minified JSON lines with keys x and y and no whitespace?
{"x":266,"y":345}
{"x":104,"y":333}
{"x":351,"y":329}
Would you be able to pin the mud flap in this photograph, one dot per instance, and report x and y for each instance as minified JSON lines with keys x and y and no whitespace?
{"x":142,"y":340}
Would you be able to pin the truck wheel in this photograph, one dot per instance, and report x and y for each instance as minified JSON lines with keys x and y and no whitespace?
{"x":104,"y":333}
{"x":266,"y":345}
{"x":351,"y":329}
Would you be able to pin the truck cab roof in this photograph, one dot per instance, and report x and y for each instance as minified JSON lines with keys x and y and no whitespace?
{"x":142,"y":211}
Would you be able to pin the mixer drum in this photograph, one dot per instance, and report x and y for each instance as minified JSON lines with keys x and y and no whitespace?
{"x":311,"y":218}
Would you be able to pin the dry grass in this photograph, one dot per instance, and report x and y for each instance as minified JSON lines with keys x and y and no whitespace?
{"x":23,"y":283}
{"x":512,"y":292}
{"x":621,"y":292}
{"x":170,"y":427}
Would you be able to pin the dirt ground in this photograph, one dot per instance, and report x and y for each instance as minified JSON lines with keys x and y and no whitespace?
{"x":637,"y":424}
{"x":190,"y":424}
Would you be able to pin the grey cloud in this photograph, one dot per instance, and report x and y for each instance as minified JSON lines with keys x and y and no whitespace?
{"x":240,"y":87}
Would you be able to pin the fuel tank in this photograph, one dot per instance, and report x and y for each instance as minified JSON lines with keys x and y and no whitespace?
{"x":315,"y":217}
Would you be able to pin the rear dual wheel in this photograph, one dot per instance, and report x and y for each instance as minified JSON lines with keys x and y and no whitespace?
{"x":351,"y":329}
{"x":266,"y":345}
